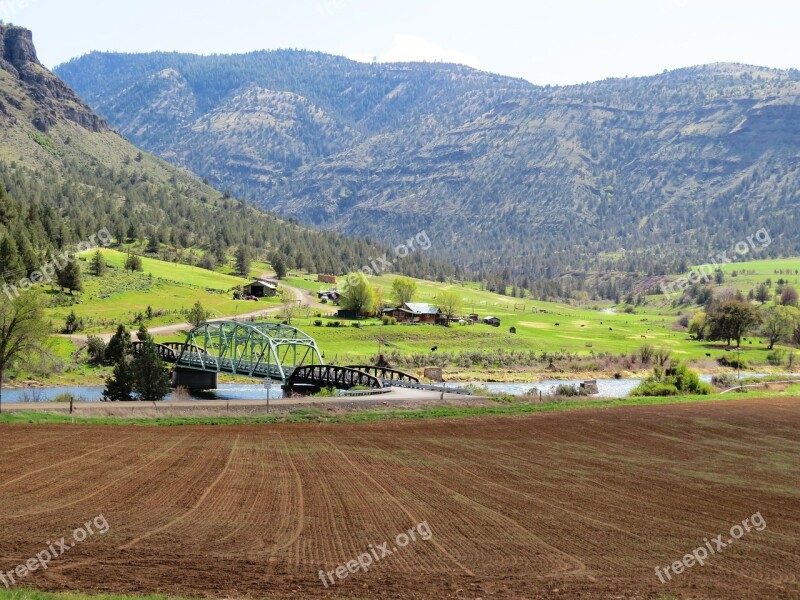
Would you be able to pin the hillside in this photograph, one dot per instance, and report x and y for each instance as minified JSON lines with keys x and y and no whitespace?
{"x":65,"y":175}
{"x":640,"y":175}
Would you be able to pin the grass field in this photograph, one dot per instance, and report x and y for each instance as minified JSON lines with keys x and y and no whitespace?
{"x":589,"y":330}
{"x":169,"y":289}
{"x":589,"y":505}
{"x":540,"y":327}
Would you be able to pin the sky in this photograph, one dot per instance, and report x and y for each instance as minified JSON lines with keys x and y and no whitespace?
{"x":553,"y":42}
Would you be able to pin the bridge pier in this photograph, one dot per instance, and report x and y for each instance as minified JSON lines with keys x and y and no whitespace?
{"x":194,"y":380}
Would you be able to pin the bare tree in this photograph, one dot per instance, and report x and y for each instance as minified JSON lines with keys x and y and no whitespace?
{"x":450,"y":304}
{"x":290,"y":305}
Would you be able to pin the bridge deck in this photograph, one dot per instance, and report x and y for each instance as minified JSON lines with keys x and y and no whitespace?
{"x":215,"y":364}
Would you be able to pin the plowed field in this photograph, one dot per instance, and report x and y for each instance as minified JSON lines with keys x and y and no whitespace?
{"x":577,"y":504}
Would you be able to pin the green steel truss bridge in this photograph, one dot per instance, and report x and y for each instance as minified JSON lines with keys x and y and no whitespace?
{"x":265,"y":351}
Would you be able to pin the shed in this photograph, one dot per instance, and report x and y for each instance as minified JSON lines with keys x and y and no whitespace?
{"x":493,"y":321}
{"x":261,"y":289}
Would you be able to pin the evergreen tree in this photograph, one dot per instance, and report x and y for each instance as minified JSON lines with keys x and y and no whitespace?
{"x":142,"y":334}
{"x":118,"y":346}
{"x":119,"y":388}
{"x":133,"y":263}
{"x":243,"y":260}
{"x":151,"y":376}
{"x":70,"y":276}
{"x":198,"y":314}
{"x":279,"y":265}
{"x":98,"y":265}
{"x":12,"y":269}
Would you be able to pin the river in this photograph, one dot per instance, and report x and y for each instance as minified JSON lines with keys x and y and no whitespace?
{"x":609,"y":388}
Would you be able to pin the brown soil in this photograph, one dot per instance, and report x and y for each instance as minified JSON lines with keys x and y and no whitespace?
{"x":577,"y":504}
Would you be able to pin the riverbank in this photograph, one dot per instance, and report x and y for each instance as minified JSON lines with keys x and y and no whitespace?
{"x":418,"y":406}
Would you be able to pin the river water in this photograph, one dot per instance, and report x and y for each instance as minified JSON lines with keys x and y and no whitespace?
{"x":609,"y":388}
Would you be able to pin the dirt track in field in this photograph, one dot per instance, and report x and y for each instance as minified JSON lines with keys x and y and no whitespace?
{"x":577,"y":504}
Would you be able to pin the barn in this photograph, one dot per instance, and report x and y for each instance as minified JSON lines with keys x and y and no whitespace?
{"x":261,"y":289}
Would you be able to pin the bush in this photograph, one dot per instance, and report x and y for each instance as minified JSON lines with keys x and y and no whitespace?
{"x":724,"y":381}
{"x":677,"y":380}
{"x":318,"y":323}
{"x":566,"y":389}
{"x":733,"y":363}
{"x":66,"y":397}
{"x":775,"y":358}
{"x":655,"y":388}
{"x":95,"y":349}
{"x":646,"y":353}
{"x":387,"y":320}
{"x":356,"y":325}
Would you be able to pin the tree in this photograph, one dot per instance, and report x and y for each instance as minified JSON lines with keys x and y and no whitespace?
{"x":119,"y":387}
{"x":198,"y":314}
{"x":779,"y":323}
{"x":698,"y":325}
{"x":142,"y":334}
{"x":70,"y":276}
{"x":133,"y":263}
{"x":73,"y":323}
{"x":289,"y":304}
{"x":11,"y":266}
{"x":450,"y":304}
{"x":762,"y":293}
{"x":243,"y":260}
{"x":279,"y":265}
{"x":23,"y":332}
{"x":151,"y":377}
{"x":357,"y":294}
{"x":731,"y":320}
{"x":98,"y":264}
{"x":118,"y":346}
{"x":403,"y":290}
{"x":789,"y":296}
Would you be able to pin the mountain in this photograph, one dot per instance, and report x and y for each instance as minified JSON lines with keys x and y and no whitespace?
{"x":65,"y":174}
{"x":641,"y":174}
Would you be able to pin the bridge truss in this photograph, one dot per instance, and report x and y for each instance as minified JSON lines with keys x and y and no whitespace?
{"x":262,"y":350}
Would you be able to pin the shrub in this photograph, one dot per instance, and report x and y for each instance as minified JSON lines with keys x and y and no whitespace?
{"x":566,"y":389}
{"x":679,"y":379}
{"x":356,"y":325}
{"x":775,"y":358}
{"x":318,"y":323}
{"x":733,"y":363}
{"x":646,"y":353}
{"x":724,"y":381}
{"x":66,"y":397}
{"x":95,"y":349}
{"x":655,"y":388}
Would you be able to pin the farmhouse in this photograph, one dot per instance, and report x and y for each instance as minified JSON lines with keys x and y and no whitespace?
{"x":261,"y":289}
{"x":415,"y":312}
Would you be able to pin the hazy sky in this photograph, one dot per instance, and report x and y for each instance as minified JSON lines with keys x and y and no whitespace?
{"x":556,"y":42}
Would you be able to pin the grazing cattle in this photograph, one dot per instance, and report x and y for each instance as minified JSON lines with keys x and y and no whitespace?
{"x":583,"y":325}
{"x":644,"y":336}
{"x":558,"y":324}
{"x":610,"y":329}
{"x":708,"y":354}
{"x":434,"y":349}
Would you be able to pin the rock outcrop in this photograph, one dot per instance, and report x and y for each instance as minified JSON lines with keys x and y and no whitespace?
{"x":53,"y":98}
